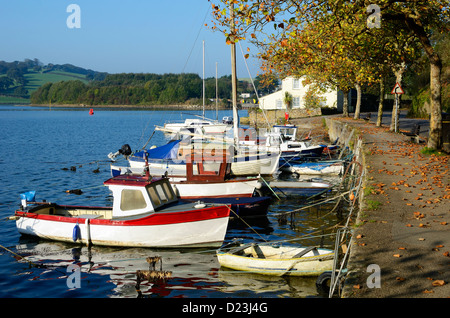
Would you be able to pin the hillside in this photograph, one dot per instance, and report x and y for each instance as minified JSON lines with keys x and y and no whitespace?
{"x":18,"y":80}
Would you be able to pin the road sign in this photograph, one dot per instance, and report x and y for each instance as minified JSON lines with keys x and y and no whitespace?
{"x":397,"y":89}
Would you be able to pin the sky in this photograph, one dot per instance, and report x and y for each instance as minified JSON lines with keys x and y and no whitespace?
{"x":135,"y":36}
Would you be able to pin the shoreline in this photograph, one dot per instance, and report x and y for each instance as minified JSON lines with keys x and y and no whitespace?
{"x":178,"y":106}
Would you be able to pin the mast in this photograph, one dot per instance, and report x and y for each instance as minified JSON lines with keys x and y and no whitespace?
{"x":217,"y":108}
{"x":234,"y":77}
{"x":203,"y":78}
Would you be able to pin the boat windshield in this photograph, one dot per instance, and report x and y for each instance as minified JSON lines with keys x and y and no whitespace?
{"x":160,"y":193}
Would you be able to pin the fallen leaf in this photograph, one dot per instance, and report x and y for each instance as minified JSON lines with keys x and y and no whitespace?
{"x":357,"y":286}
{"x":426,"y":291}
{"x":397,"y":255}
{"x":438,"y":282}
{"x":400,"y":279}
{"x":402,"y":248}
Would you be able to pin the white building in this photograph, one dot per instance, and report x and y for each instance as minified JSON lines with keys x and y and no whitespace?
{"x":295,"y":87}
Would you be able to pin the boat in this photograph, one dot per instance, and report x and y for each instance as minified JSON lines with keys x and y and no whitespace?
{"x":171,"y":158}
{"x":145,"y":213}
{"x":325,"y":167}
{"x":281,"y":138}
{"x":301,"y":188}
{"x":197,"y":125}
{"x":204,"y":177}
{"x":269,"y":259}
{"x":241,"y":207}
{"x":211,"y":178}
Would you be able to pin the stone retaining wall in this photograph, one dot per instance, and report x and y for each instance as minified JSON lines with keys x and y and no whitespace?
{"x":256,"y":117}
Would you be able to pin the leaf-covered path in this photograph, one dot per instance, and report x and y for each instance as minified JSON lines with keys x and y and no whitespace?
{"x":403,"y":225}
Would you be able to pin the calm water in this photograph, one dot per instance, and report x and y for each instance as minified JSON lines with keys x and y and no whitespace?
{"x":39,"y":146}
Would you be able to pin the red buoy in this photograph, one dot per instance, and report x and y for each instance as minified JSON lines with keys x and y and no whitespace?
{"x":91,"y":111}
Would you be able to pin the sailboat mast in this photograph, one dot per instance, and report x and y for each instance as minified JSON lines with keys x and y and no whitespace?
{"x":234,"y":77}
{"x":203,"y":78}
{"x":217,"y":97}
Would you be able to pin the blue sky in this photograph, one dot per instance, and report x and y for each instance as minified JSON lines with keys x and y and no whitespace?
{"x":148,"y":36}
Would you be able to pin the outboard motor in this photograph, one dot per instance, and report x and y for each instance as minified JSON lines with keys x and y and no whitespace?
{"x":125,"y":151}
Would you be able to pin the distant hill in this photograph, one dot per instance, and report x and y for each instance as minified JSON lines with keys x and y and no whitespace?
{"x":18,"y":80}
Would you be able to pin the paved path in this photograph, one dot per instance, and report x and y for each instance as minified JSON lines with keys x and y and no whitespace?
{"x":403,"y":226}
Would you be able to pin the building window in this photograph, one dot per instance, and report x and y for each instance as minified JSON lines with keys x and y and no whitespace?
{"x":279,"y":104}
{"x":296,"y":83}
{"x":296,"y":101}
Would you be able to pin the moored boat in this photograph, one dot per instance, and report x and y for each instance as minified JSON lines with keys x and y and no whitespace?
{"x":277,"y":260}
{"x":145,"y":213}
{"x":301,"y":188}
{"x":205,"y":177}
{"x":329,"y":167}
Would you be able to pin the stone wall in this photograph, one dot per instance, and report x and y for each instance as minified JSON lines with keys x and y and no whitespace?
{"x":256,"y":117}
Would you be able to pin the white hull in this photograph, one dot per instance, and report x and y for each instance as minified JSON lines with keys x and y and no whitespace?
{"x":199,"y":233}
{"x":332,"y":170}
{"x":240,"y":167}
{"x":215,"y":190}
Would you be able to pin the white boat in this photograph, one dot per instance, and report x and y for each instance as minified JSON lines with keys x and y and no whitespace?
{"x":145,"y":213}
{"x":277,"y":260}
{"x":204,"y":177}
{"x":198,"y":126}
{"x":281,"y":138}
{"x":330,"y":167}
{"x":301,"y":188}
{"x":171,"y":158}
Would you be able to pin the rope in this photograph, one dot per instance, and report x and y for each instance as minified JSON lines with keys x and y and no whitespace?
{"x":231,"y":210}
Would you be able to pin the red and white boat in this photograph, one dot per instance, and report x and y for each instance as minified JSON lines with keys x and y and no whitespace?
{"x":145,"y":213}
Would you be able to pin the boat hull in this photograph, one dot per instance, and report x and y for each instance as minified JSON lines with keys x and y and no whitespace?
{"x":241,"y":166}
{"x":253,"y":207}
{"x":194,"y":228}
{"x":302,"y":188}
{"x":279,"y":261}
{"x":229,"y":188}
{"x":314,"y":168}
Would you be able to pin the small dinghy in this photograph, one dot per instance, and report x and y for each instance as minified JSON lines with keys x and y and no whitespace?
{"x":330,"y":167}
{"x":277,"y":260}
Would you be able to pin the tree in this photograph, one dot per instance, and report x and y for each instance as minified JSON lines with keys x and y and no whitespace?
{"x":419,"y":17}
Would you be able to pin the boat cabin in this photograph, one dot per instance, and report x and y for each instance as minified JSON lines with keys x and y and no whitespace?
{"x":214,"y":168}
{"x":139,"y":194}
{"x":288,"y":131}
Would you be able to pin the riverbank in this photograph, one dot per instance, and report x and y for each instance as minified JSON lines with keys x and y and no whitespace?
{"x":172,"y":107}
{"x":402,"y":225}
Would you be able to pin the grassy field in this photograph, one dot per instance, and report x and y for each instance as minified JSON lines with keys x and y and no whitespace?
{"x":13,"y":100}
{"x":37,"y":79}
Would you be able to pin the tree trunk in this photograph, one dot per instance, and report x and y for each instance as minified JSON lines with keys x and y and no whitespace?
{"x":358,"y":100}
{"x":380,"y":104}
{"x":435,"y":134}
{"x":396,"y":110}
{"x":345,"y":105}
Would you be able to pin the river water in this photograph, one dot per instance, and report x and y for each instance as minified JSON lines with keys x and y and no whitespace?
{"x":40,"y":146}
